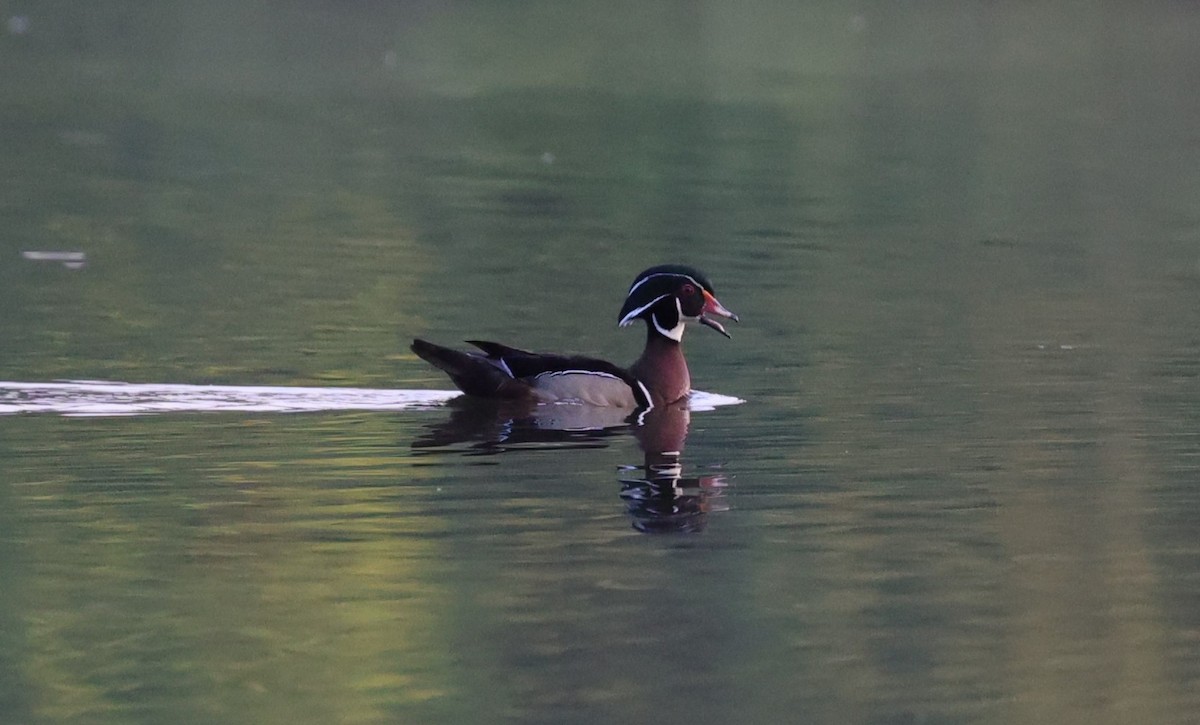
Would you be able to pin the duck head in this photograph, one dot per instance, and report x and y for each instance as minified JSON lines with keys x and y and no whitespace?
{"x":667,"y":296}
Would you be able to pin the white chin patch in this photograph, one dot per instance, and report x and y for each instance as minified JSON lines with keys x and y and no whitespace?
{"x":675,"y":333}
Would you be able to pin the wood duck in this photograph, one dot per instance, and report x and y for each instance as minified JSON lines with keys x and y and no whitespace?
{"x":665,"y":297}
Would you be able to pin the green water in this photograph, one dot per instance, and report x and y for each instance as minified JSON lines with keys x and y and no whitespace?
{"x":964,"y":242}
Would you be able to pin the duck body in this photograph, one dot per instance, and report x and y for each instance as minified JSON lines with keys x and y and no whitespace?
{"x":500,"y":371}
{"x":664,"y":297}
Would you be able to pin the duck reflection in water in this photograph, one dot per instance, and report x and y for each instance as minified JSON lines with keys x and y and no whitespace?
{"x":659,"y":496}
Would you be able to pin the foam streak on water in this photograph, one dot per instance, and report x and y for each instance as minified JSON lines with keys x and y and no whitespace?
{"x":99,"y":398}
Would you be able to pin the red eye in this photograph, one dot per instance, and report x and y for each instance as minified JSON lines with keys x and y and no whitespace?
{"x":687,"y":290}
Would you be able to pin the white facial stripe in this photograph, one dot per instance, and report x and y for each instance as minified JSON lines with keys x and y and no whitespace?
{"x":505,"y":368}
{"x":627,"y":319}
{"x":643,"y":280}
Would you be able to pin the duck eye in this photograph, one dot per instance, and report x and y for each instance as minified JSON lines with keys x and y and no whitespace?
{"x":687,"y":290}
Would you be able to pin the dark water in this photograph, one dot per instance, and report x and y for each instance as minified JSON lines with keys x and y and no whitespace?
{"x":964,"y":241}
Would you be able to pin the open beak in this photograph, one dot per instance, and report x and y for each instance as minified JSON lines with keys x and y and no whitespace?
{"x":713,"y":307}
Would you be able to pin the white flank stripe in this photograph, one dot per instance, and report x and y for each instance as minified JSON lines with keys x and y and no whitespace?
{"x":553,"y":373}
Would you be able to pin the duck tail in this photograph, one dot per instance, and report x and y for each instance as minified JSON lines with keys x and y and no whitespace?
{"x":472,"y":374}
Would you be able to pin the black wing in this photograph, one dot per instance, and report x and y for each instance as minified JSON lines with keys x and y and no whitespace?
{"x":526,"y":364}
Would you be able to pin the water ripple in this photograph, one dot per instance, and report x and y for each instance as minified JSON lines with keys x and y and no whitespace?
{"x":102,"y":398}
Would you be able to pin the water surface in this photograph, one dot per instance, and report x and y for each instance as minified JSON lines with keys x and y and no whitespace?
{"x":964,"y":242}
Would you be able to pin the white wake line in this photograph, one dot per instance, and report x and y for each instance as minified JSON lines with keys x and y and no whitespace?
{"x":86,"y":397}
{"x":100,"y":398}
